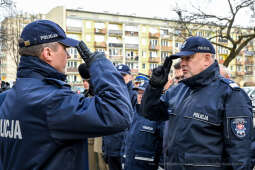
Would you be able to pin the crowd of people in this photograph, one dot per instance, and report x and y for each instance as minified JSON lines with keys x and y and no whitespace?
{"x":197,"y":119}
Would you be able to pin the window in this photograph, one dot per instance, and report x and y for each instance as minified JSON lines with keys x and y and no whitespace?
{"x":153,"y":54}
{"x":153,"y":65}
{"x":163,"y":32}
{"x":164,"y":54}
{"x":115,"y":51}
{"x":113,"y":27}
{"x":144,"y":53}
{"x":143,"y":66}
{"x":153,"y":42}
{"x":100,"y":49}
{"x":143,"y":41}
{"x":88,"y":24}
{"x":99,"y":38}
{"x":74,"y":22}
{"x":99,"y":25}
{"x":88,"y":38}
{"x":164,"y":43}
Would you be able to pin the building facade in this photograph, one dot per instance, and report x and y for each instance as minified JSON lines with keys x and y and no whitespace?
{"x":141,"y":43}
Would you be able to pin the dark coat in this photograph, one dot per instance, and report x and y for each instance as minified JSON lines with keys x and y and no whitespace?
{"x":44,"y":125}
{"x":210,"y":122}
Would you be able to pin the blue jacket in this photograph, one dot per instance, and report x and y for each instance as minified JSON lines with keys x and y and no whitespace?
{"x":210,"y":122}
{"x":44,"y":125}
{"x":143,"y":144}
{"x":2,"y":97}
{"x":113,"y":144}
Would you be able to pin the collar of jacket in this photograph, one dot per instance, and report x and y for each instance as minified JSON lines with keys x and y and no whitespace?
{"x":204,"y":78}
{"x":33,"y":67}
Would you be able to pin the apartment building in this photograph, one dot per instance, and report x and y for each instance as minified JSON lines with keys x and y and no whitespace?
{"x":10,"y":30}
{"x":141,"y":43}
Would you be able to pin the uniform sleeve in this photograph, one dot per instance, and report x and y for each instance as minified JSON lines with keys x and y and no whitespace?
{"x":238,"y":130}
{"x":72,"y":116}
{"x":153,"y":106}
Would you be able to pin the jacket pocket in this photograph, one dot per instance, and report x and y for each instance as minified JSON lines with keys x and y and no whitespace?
{"x":205,"y":160}
{"x":144,"y":156}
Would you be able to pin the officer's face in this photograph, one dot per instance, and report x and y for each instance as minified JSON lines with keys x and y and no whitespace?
{"x":86,"y":84}
{"x":139,"y":96}
{"x":60,"y":58}
{"x":194,"y":64}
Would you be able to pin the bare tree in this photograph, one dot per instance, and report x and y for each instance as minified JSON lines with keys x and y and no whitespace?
{"x":222,"y":27}
{"x":4,"y":3}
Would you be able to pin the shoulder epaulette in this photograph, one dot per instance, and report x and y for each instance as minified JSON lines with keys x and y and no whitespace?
{"x":229,"y":82}
{"x":56,"y":82}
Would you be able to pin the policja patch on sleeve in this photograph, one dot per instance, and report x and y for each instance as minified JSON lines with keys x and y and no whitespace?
{"x":239,"y":127}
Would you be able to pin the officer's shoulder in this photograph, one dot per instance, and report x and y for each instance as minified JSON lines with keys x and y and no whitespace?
{"x":230,"y":83}
{"x":56,"y":82}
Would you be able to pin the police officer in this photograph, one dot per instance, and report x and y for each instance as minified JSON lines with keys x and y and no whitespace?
{"x":43,"y":124}
{"x":144,"y":140}
{"x":113,"y":144}
{"x":210,"y":117}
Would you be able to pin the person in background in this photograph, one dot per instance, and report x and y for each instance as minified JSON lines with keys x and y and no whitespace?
{"x":224,"y":71}
{"x":46,"y":123}
{"x":96,"y":161}
{"x":210,"y":117}
{"x":143,"y":146}
{"x":113,"y":144}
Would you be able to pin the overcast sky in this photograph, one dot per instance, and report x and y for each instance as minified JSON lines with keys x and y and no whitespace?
{"x":147,"y":8}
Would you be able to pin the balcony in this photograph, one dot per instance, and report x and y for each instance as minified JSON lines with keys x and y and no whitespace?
{"x":249,"y":62}
{"x":249,"y":53}
{"x":220,"y":61}
{"x":99,"y":44}
{"x":134,"y":70}
{"x":154,"y":35}
{"x":131,"y":33}
{"x":154,"y":59}
{"x":240,"y":73}
{"x":71,"y":69}
{"x":249,"y":72}
{"x":73,"y":29}
{"x":165,"y":48}
{"x":115,"y":45}
{"x":239,"y":62}
{"x":222,"y":40}
{"x":117,"y":33}
{"x":154,"y":47}
{"x":116,"y":58}
{"x":132,"y":59}
{"x":132,"y":46}
{"x":165,"y":36}
{"x":100,"y":31}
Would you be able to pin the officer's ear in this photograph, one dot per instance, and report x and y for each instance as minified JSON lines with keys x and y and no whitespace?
{"x":47,"y":55}
{"x":207,"y":59}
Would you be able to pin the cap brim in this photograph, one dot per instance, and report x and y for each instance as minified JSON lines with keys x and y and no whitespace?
{"x":139,"y":88}
{"x":69,"y":42}
{"x":122,"y":72}
{"x":182,"y":54}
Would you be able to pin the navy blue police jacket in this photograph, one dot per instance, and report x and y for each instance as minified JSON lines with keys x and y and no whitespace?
{"x":113,"y":144}
{"x":143,"y":144}
{"x":2,"y":97}
{"x":44,"y":125}
{"x":210,"y":122}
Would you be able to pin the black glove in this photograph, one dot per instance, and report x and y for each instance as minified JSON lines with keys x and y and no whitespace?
{"x":87,"y":55}
{"x":84,"y":71}
{"x":159,"y":75}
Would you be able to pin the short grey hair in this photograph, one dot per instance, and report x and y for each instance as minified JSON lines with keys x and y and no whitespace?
{"x":36,"y":50}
